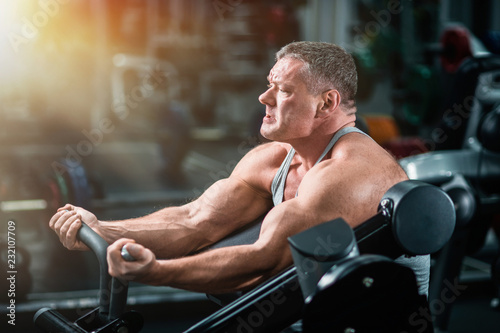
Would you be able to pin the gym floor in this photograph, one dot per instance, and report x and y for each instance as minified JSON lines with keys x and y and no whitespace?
{"x":131,"y":183}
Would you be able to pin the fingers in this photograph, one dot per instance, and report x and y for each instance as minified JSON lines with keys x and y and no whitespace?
{"x":56,"y":221}
{"x":115,"y":262}
{"x":67,"y":207}
{"x":88,"y":217}
{"x":131,"y":252}
{"x":59,"y":218}
{"x":114,"y":250}
{"x":129,"y":270}
{"x":54,"y":218}
{"x":66,"y":223}
{"x":71,"y":228}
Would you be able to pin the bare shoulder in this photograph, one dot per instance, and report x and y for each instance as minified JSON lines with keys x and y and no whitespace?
{"x":360,"y":151}
{"x":259,"y":166}
{"x":351,"y":183}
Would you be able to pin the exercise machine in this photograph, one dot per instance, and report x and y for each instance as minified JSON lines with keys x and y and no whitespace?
{"x":343,"y":280}
{"x":110,"y":315}
{"x":469,"y":171}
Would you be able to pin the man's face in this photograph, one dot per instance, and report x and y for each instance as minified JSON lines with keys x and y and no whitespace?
{"x":290,"y":107}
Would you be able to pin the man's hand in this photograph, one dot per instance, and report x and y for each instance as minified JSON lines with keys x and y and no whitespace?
{"x":139,"y":270}
{"x":66,"y":223}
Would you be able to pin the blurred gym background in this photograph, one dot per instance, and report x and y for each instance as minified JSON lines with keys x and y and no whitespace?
{"x":127,"y":106}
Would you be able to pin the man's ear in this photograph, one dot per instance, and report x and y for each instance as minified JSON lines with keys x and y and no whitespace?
{"x":330,"y":100}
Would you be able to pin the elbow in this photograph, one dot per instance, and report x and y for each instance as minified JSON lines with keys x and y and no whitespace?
{"x":272,"y":259}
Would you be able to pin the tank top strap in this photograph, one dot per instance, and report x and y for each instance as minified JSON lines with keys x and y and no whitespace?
{"x":278,"y":184}
{"x":340,"y":133}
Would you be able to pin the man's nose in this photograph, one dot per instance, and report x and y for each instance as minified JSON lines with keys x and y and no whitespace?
{"x":267,"y":98}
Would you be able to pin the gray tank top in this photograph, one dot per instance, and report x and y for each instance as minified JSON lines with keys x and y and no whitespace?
{"x":419,"y":264}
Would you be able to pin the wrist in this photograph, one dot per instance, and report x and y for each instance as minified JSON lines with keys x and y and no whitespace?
{"x":109,"y":231}
{"x":156,"y":275}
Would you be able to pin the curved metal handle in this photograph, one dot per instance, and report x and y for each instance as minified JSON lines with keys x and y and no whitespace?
{"x":113,"y":292}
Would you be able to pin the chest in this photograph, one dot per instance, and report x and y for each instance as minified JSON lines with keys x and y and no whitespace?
{"x":292,"y":183}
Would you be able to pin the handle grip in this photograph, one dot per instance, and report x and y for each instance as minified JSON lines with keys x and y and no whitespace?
{"x":95,"y":242}
{"x":113,"y":291}
{"x":49,"y":320}
{"x":126,"y":255}
{"x":99,"y":247}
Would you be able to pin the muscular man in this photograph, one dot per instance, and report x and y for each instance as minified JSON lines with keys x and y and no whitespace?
{"x":318,"y":167}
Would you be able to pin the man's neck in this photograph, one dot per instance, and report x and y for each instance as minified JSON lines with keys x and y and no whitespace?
{"x":309,"y":151}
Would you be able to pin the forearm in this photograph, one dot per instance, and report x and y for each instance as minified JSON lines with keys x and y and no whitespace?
{"x":167,"y":232}
{"x":217,"y":271}
{"x":226,"y":206}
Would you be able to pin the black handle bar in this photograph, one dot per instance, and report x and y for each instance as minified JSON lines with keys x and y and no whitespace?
{"x":99,"y":246}
{"x":112,"y":291}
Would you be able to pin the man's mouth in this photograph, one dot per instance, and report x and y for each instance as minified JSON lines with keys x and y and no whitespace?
{"x":268,"y":117}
